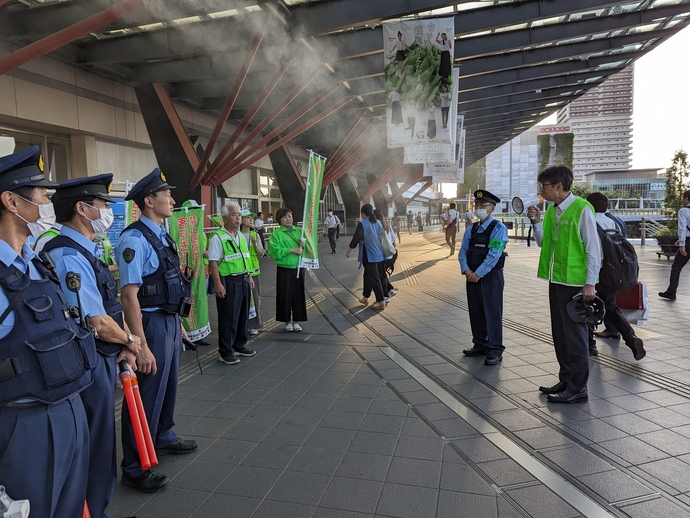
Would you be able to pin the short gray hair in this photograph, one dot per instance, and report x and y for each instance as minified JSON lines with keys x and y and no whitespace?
{"x":226,"y":209}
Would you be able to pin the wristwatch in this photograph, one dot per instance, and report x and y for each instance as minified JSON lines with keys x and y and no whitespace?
{"x":130,"y":339}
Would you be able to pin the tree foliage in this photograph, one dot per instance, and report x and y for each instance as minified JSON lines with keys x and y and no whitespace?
{"x":677,"y":182}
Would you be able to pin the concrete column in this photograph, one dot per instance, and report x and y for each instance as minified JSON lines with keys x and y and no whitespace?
{"x":84,"y":156}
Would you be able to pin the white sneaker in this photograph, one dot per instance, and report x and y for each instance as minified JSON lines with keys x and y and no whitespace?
{"x":387,"y":300}
{"x":253,"y":332}
{"x":296,"y":327}
{"x":392,"y":293}
{"x":289,"y":327}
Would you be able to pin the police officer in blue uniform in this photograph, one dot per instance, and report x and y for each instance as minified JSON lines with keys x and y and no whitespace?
{"x":82,"y":206}
{"x":481,"y":257}
{"x":45,"y":356}
{"x":154,"y":291}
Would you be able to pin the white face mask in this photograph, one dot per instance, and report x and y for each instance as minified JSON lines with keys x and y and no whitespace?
{"x":46,"y":218}
{"x":102,"y":224}
{"x":481,"y":213}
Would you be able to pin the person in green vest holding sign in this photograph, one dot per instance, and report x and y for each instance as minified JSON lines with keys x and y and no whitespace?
{"x":255,"y":251}
{"x":229,"y":262}
{"x":570,"y":260}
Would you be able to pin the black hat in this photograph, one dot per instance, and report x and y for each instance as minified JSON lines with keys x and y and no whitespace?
{"x":23,"y":169}
{"x":484,"y":195}
{"x":86,"y":187}
{"x":153,"y":182}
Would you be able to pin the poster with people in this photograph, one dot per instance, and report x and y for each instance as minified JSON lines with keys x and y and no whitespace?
{"x":310,"y":222}
{"x":418,"y":57}
{"x":187,"y":230}
{"x":431,"y":152}
{"x":449,"y":172}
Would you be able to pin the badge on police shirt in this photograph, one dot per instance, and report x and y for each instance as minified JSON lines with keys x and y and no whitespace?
{"x":128,"y":255}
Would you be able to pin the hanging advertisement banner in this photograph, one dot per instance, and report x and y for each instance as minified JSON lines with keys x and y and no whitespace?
{"x":461,"y":157}
{"x":431,"y":152}
{"x":447,"y":172}
{"x":418,"y":57}
{"x":310,"y":221}
{"x":187,"y":230}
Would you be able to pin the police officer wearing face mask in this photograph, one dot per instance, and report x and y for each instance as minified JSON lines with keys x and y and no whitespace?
{"x":82,"y":206}
{"x":153,"y":294}
{"x":45,"y":356}
{"x":481,"y":262}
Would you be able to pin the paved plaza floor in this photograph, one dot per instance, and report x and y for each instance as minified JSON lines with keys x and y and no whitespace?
{"x":370,"y":413}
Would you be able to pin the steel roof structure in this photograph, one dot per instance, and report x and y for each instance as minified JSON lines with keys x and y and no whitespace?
{"x":313,"y":70}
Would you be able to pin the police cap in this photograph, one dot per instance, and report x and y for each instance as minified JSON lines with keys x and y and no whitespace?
{"x":484,"y":195}
{"x":23,"y":169}
{"x":151,"y":183}
{"x":86,"y":187}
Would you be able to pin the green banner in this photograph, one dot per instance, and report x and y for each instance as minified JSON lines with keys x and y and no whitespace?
{"x":310,"y":222}
{"x":187,"y":229}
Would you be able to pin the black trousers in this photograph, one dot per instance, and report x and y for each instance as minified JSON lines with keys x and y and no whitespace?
{"x":569,"y":339}
{"x":374,"y":275}
{"x":291,"y":302}
{"x":679,"y":263}
{"x":233,"y":314}
{"x":614,"y":316}
{"x":485,"y":301}
{"x":332,"y":237}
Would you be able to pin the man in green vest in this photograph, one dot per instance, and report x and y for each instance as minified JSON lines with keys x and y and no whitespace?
{"x":230,"y":266}
{"x":570,"y":260}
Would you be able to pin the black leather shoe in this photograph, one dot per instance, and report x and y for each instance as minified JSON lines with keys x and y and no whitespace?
{"x":593,"y":351}
{"x":203,"y":341}
{"x":179,"y":447}
{"x":667,"y":295}
{"x":474,"y":352}
{"x":637,"y":347}
{"x":493,"y":360}
{"x":558,"y":387}
{"x":566,"y":397}
{"x":147,"y":482}
{"x":244,"y":351}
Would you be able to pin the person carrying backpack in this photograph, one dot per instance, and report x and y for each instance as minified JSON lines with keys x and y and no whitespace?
{"x":618,"y":271}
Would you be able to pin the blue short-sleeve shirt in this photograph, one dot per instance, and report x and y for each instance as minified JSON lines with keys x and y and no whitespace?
{"x":9,"y":256}
{"x":69,"y":260}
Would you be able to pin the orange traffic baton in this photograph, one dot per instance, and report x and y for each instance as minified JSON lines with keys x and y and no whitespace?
{"x":126,"y":378}
{"x":150,"y":448}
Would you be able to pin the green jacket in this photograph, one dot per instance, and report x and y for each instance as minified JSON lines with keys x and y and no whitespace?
{"x":281,"y":242}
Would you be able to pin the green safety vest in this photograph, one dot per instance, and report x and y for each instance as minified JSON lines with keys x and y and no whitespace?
{"x":50,"y":234}
{"x":234,"y":260}
{"x":254,"y":257}
{"x":108,"y":255}
{"x":563,"y":259}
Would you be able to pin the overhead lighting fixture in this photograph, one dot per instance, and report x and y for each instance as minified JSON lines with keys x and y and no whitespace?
{"x":329,"y":67}
{"x":347,"y":85}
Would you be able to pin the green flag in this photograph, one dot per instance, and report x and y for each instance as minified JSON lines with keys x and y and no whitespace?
{"x":187,"y":229}
{"x":310,"y":222}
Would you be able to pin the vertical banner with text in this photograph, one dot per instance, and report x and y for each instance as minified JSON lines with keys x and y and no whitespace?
{"x":187,"y":230}
{"x":310,"y":222}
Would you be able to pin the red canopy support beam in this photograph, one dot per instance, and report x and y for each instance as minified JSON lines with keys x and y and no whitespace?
{"x":420,"y":191}
{"x":227,"y":108}
{"x":262,"y":125}
{"x":373,"y":148}
{"x":333,"y":155}
{"x":346,"y":152}
{"x":174,"y":118}
{"x":283,"y":140}
{"x":353,"y":157}
{"x":415,"y":178}
{"x":67,"y":35}
{"x":3,"y":2}
{"x":258,"y":103}
{"x":231,"y":162}
{"x":395,"y":168}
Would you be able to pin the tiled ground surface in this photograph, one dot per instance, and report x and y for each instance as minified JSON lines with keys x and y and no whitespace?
{"x":367,"y":414}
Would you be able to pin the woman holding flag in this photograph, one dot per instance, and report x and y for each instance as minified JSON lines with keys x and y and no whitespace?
{"x":286,"y":246}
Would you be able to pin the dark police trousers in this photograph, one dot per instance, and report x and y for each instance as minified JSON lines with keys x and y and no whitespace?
{"x":485,"y":301}
{"x":569,"y":339}
{"x":163,"y":333}
{"x":233,"y":313}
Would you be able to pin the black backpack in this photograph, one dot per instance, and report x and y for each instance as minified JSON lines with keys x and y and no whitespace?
{"x":619,"y":266}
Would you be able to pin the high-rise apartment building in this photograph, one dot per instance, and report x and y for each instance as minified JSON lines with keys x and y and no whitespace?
{"x":601,"y":121}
